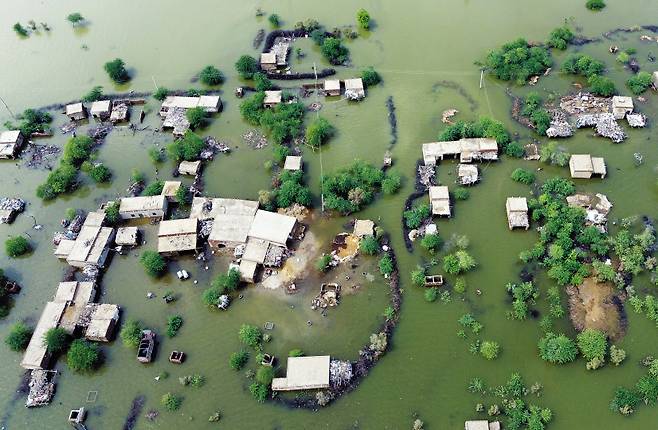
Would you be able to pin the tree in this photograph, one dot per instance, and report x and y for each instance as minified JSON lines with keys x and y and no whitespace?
{"x":154,"y":188}
{"x":334,"y":51}
{"x":239,"y":359}
{"x":20,"y":30}
{"x":318,"y":132}
{"x":56,"y":340}
{"x":265,"y":374}
{"x":77,"y":150}
{"x":19,"y":337}
{"x":391,"y":183}
{"x":461,"y":193}
{"x":432,"y":242}
{"x":261,"y":82}
{"x":75,"y":18}
{"x":116,"y":70}
{"x":523,"y":176}
{"x":196,"y":117}
{"x":647,"y":389}
{"x":640,"y":82}
{"x":171,"y":402}
{"x":174,"y":323}
{"x":413,"y":218}
{"x":250,"y":335}
{"x":188,"y":148}
{"x":82,"y":356}
{"x":100,"y":173}
{"x":94,"y":94}
{"x":131,"y":333}
{"x":16,"y":246}
{"x":274,"y":20}
{"x":246,"y":66}
{"x":154,"y":264}
{"x":601,"y":86}
{"x":227,"y":282}
{"x":370,"y":77}
{"x":363,"y":19}
{"x":583,"y":65}
{"x":210,"y":296}
{"x":182,"y":195}
{"x":418,"y":276}
{"x":369,"y":245}
{"x":560,"y":37}
{"x":592,"y":344}
{"x":518,"y":61}
{"x":210,"y":75}
{"x":350,"y":188}
{"x":386,"y":266}
{"x":558,"y":349}
{"x":595,"y":4}
{"x":161,"y":93}
{"x":489,"y":349}
{"x":259,"y":391}
{"x":624,"y":401}
{"x":431,"y":294}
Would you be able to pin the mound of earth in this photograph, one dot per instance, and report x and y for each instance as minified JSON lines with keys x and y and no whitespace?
{"x":598,"y":306}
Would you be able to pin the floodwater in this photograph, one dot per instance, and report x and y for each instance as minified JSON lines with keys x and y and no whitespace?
{"x":416,"y":46}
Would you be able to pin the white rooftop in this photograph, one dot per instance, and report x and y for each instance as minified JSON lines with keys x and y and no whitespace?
{"x":142,"y":203}
{"x":272,"y":97}
{"x":293,"y":162}
{"x":331,"y":85}
{"x":10,"y":136}
{"x":304,"y":373}
{"x":100,"y":106}
{"x":272,"y":227}
{"x":74,"y":108}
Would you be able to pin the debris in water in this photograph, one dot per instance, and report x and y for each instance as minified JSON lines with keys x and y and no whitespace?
{"x":447,"y":114}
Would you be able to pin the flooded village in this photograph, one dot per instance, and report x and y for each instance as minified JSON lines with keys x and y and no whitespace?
{"x":316,"y":223}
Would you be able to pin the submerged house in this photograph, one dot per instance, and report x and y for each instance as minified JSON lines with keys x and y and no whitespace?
{"x":467,"y":174}
{"x":10,"y":143}
{"x":36,"y":355}
{"x":190,"y":168}
{"x":143,"y":207}
{"x":440,"y":201}
{"x":363,"y":228}
{"x":169,"y":190}
{"x":209,"y":103}
{"x":331,"y":87}
{"x":92,"y":245}
{"x":482,"y":425}
{"x":583,"y":166}
{"x":76,"y":295}
{"x":232,"y":220}
{"x":177,"y":236}
{"x":120,"y":111}
{"x":354,"y":89}
{"x":272,"y":98}
{"x":102,"y":321}
{"x":304,"y":373}
{"x":293,"y":162}
{"x":621,"y":106}
{"x":126,"y":236}
{"x":468,"y":150}
{"x":101,"y":109}
{"x":272,"y":227}
{"x":268,"y":61}
{"x":76,"y":111}
{"x":517,"y":212}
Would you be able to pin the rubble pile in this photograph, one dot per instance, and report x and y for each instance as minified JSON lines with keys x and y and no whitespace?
{"x":90,"y":273}
{"x":275,"y":256}
{"x":205,"y":227}
{"x":636,"y":120}
{"x":426,"y":175}
{"x":447,"y":115}
{"x":213,"y":147}
{"x":597,"y":207}
{"x":585,"y":103}
{"x":560,"y":127}
{"x":42,"y":388}
{"x":38,"y":156}
{"x":255,"y":139}
{"x":99,"y":132}
{"x":9,"y":208}
{"x":71,"y":232}
{"x":604,"y":124}
{"x":340,"y":373}
{"x":329,"y":297}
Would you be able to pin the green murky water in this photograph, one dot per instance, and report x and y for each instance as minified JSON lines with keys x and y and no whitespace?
{"x":414,"y":45}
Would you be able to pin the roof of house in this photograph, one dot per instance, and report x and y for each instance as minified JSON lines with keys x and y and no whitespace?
{"x":272,"y":97}
{"x":464,"y":170}
{"x":126,"y":236}
{"x":514,"y":204}
{"x":304,"y":373}
{"x":272,"y":227}
{"x":233,"y":220}
{"x":9,"y":136}
{"x":100,"y":106}
{"x":440,"y":149}
{"x":180,"y":102}
{"x":170,"y":187}
{"x":175,"y":227}
{"x":90,"y":244}
{"x":64,"y":248}
{"x":354,"y":84}
{"x":293,"y":162}
{"x":268,"y":58}
{"x":36,"y":350}
{"x":331,"y":85}
{"x":209,"y":102}
{"x":177,"y":243}
{"x":440,"y":200}
{"x":74,"y":108}
{"x":221,"y":206}
{"x":439,"y":193}
{"x":247,"y":270}
{"x":102,"y":321}
{"x":476,"y":425}
{"x":256,"y":250}
{"x":189,"y":167}
{"x":581,"y":163}
{"x":142,"y":203}
{"x":622,"y":102}
{"x":77,"y":295}
{"x":94,"y":219}
{"x":364,"y":227}
{"x":598,"y":164}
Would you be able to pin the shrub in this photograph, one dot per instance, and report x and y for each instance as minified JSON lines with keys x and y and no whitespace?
{"x":432,"y":242}
{"x":617,"y":355}
{"x":484,"y":127}
{"x":250,"y":335}
{"x":154,"y":264}
{"x":32,"y":121}
{"x":369,"y":245}
{"x":75,"y":18}
{"x":171,"y":402}
{"x":363,"y":19}
{"x":523,"y":295}
{"x":418,"y":276}
{"x":624,"y":401}
{"x":156,"y":155}
{"x":154,"y":188}
{"x":174,"y":323}
{"x":20,"y":30}
{"x":83,"y":356}
{"x":640,"y":82}
{"x":370,"y":77}
{"x":239,"y":359}
{"x":56,"y":340}
{"x":595,"y":4}
{"x":518,"y":61}
{"x":583,"y":65}
{"x":161,"y":93}
{"x":431,"y":294}
{"x":274,"y":20}
{"x":318,"y":132}
{"x":259,"y":391}
{"x":182,"y":195}
{"x":77,"y":150}
{"x":386,"y":266}
{"x":116,"y":70}
{"x":16,"y":246}
{"x":100,"y":173}
{"x":560,"y":38}
{"x":323,"y":263}
{"x":210,"y":296}
{"x":334,"y":51}
{"x":246,"y":66}
{"x":489,"y":349}
{"x":461,"y":193}
{"x":391,"y":183}
{"x":523,"y":176}
{"x":557,"y":349}
{"x":265,"y":374}
{"x":623,"y":58}
{"x":459,"y":262}
{"x":19,"y":337}
{"x":592,"y":344}
{"x":188,"y":148}
{"x":515,"y":149}
{"x":350,"y":188}
{"x":601,"y":86}
{"x":460,"y":285}
{"x":261,"y":82}
{"x":94,"y":94}
{"x":227,"y":282}
{"x":210,"y":75}
{"x":197,"y":117}
{"x":414,"y":217}
{"x":131,"y":333}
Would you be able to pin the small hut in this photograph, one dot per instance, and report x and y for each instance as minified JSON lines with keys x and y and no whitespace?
{"x":272,"y":98}
{"x":10,"y":143}
{"x":621,"y":105}
{"x":76,"y":111}
{"x":517,"y":212}
{"x":119,"y":112}
{"x":126,"y":236}
{"x":354,"y":89}
{"x":440,"y":201}
{"x":332,"y":87}
{"x":293,"y":163}
{"x":101,"y":109}
{"x":583,"y":166}
{"x":364,"y":227}
{"x":268,"y":61}
{"x":189,"y":167}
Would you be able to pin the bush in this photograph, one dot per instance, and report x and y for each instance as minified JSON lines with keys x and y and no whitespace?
{"x":261,"y":82}
{"x":595,"y":4}
{"x":274,"y":20}
{"x":370,"y":77}
{"x":459,"y":262}
{"x":174,"y":323}
{"x":617,"y":356}
{"x":484,"y":127}
{"x":131,"y":333}
{"x":624,"y":401}
{"x":19,"y":337}
{"x":227,"y":282}
{"x":460,"y":285}
{"x":154,"y":188}
{"x":489,"y":349}
{"x":154,"y":264}
{"x":238,"y":359}
{"x":640,"y":82}
{"x":264,"y":375}
{"x":196,"y":117}
{"x":182,"y":195}
{"x":210,"y":75}
{"x":100,"y":173}
{"x":334,"y":51}
{"x":116,"y":70}
{"x":20,"y":30}
{"x":56,"y":340}
{"x":431,"y":294}
{"x":583,"y":65}
{"x":391,"y":183}
{"x":250,"y":335}
{"x":94,"y":94}
{"x":515,"y":149}
{"x":83,"y":356}
{"x":323,"y":263}
{"x":16,"y":246}
{"x":601,"y":86}
{"x":558,"y":349}
{"x":418,"y":276}
{"x":592,"y":344}
{"x":363,"y":19}
{"x":623,"y":58}
{"x":210,"y":296}
{"x":283,"y":122}
{"x":161,"y":93}
{"x":432,"y":242}
{"x":523,"y":176}
{"x":246,"y":66}
{"x":318,"y":132}
{"x":171,"y":402}
{"x":32,"y":121}
{"x":414,"y":217}
{"x":518,"y":61}
{"x":369,"y":245}
{"x":351,"y":188}
{"x":386,"y":266}
{"x":461,"y":193}
{"x":259,"y":391}
{"x":156,"y":155}
{"x":560,"y":38}
{"x":77,"y":150}
{"x":188,"y":148}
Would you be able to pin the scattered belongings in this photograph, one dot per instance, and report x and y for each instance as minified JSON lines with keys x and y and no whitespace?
{"x":440,"y":200}
{"x":126,"y":236}
{"x":433,"y":280}
{"x":467,"y":149}
{"x":531,"y":152}
{"x":344,"y":247}
{"x":559,"y":126}
{"x":621,"y":105}
{"x":482,"y":425}
{"x":585,"y":103}
{"x":605,"y":125}
{"x":329,"y":296}
{"x":293,"y":163}
{"x":10,"y":143}
{"x":213,"y":147}
{"x":224,"y":301}
{"x":426,"y":174}
{"x":583,"y":166}
{"x":597,"y":206}
{"x":467,"y":174}
{"x":268,"y":360}
{"x":40,"y":156}
{"x":119,"y":112}
{"x":177,"y":235}
{"x":388,"y":159}
{"x":517,"y":212}
{"x":42,"y":387}
{"x":269,"y":325}
{"x":354,"y":89}
{"x":143,"y":207}
{"x":177,"y":357}
{"x":363,"y":228}
{"x":332,"y":87}
{"x":447,"y":115}
{"x":272,"y":98}
{"x":9,"y":208}
{"x":190,"y":168}
{"x":169,"y":190}
{"x":255,"y":139}
{"x":304,"y":373}
{"x":101,"y":109}
{"x":340,"y":373}
{"x":183,"y":275}
{"x":76,"y":111}
{"x":239,"y":92}
{"x":77,"y":416}
{"x":280,"y":50}
{"x":146,"y":346}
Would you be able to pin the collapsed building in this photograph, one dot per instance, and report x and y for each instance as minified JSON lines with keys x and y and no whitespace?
{"x":11,"y":143}
{"x":596,"y":206}
{"x":174,"y":108}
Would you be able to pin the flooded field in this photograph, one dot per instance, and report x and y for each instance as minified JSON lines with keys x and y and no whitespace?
{"x":425,"y":51}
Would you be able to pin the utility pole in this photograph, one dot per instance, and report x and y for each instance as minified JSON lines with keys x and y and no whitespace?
{"x":7,"y":106}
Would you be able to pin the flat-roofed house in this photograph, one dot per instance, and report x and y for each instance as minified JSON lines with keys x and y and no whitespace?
{"x":76,"y":295}
{"x":177,"y":102}
{"x":92,"y":246}
{"x":102,"y":322}
{"x":440,"y":201}
{"x":210,"y":103}
{"x":293,"y":162}
{"x":272,"y":98}
{"x":232,"y":219}
{"x":169,"y":190}
{"x":101,"y":109}
{"x":190,"y":168}
{"x":64,"y":248}
{"x":482,"y":425}
{"x":332,"y":87}
{"x":517,"y":212}
{"x":76,"y":111}
{"x":248,"y":269}
{"x":621,"y":105}
{"x":354,"y":89}
{"x":468,"y":150}
{"x":304,"y":373}
{"x":36,"y":355}
{"x":583,"y":166}
{"x":272,"y":227}
{"x":364,"y":227}
{"x":268,"y":61}
{"x":143,"y":207}
{"x":177,"y":235}
{"x":10,"y":143}
{"x":126,"y":236}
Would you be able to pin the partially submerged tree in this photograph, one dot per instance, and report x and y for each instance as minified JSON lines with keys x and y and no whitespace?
{"x":246,"y":66}
{"x":154,"y":264}
{"x":16,"y":246}
{"x":83,"y":356}
{"x":19,"y":337}
{"x":211,"y":75}
{"x":56,"y":340}
{"x":75,"y":18}
{"x":131,"y":333}
{"x":94,"y":94}
{"x":363,"y":19}
{"x":116,"y":70}
{"x":318,"y":132}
